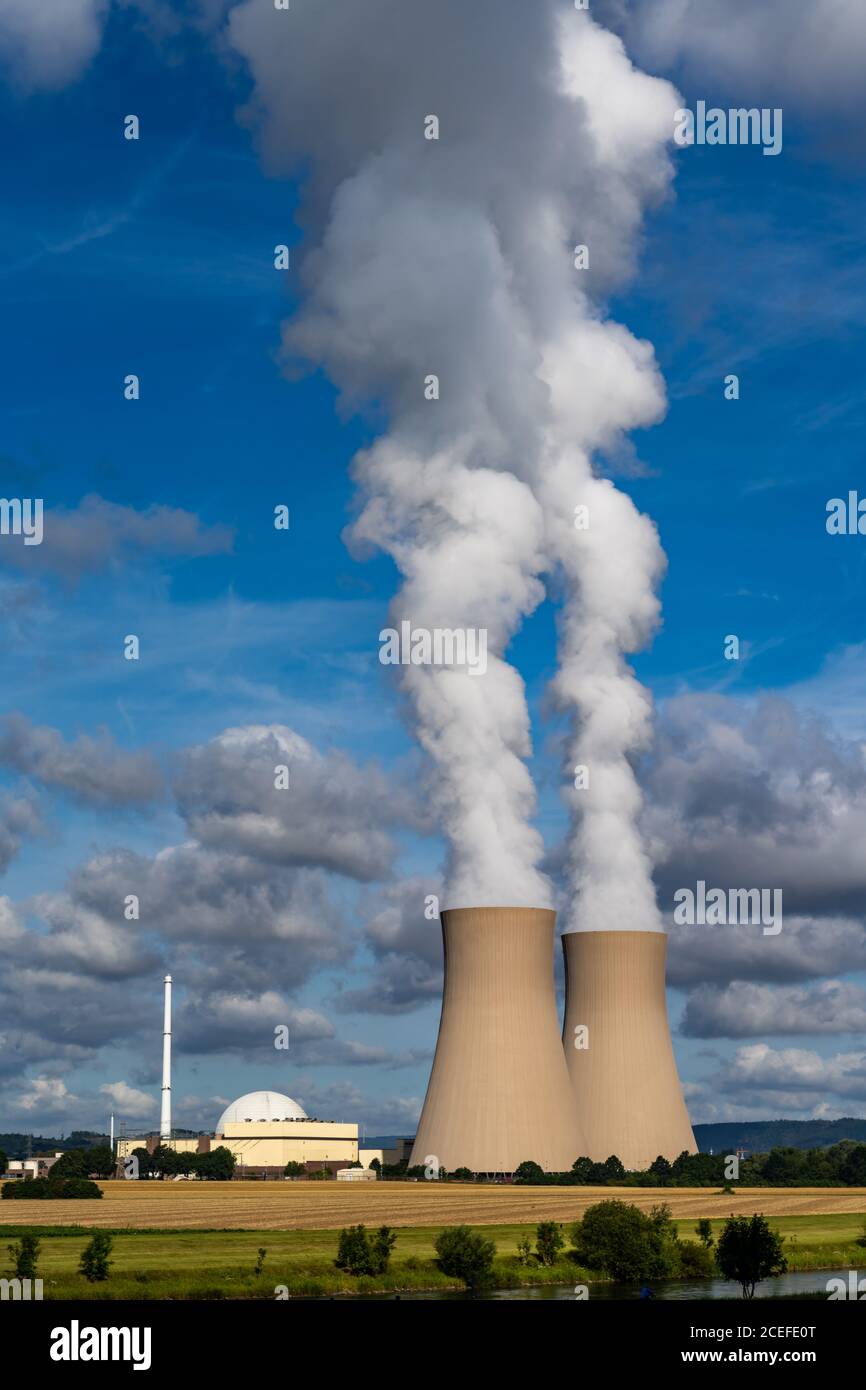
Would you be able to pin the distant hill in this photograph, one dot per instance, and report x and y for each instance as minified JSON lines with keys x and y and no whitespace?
{"x":759,"y":1136}
{"x":15,"y":1145}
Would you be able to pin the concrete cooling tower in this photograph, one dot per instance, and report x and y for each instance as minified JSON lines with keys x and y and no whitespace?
{"x":499,"y":1090}
{"x":626,"y":1089}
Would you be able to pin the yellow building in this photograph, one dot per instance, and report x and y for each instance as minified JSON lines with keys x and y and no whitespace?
{"x":266,"y":1130}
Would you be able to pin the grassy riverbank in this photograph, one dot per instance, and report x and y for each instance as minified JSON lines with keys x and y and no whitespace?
{"x":200,"y":1264}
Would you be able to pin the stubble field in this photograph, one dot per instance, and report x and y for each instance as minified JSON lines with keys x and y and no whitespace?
{"x":296,"y":1206}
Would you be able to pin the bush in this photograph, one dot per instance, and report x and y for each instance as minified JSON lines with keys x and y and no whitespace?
{"x":467,"y":1255}
{"x":294,"y":1169}
{"x":360,"y":1252}
{"x":697,"y":1261}
{"x":549,"y":1240}
{"x":463,"y":1175}
{"x":24,"y":1255}
{"x":94,"y":1263}
{"x":629,"y":1245}
{"x":704,"y":1232}
{"x":74,"y":1188}
{"x":28,"y":1189}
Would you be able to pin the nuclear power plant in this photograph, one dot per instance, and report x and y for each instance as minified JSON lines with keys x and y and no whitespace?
{"x":506,"y":1087}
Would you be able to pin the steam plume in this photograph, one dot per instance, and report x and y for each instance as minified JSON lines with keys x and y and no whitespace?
{"x":454,"y":257}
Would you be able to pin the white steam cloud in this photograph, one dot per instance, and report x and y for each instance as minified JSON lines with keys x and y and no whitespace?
{"x":454,"y":257}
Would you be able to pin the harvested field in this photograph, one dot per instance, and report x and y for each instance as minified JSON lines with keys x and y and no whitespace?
{"x":288,"y":1206}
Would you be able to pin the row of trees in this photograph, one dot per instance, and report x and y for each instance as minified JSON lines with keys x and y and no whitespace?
{"x":614,"y":1239}
{"x":841,"y":1165}
{"x":164,"y":1162}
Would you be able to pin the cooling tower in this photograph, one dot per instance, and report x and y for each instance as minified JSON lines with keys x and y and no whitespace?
{"x":498,"y":1091}
{"x":625,"y":1083}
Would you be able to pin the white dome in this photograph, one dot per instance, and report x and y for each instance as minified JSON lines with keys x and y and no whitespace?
{"x":260,"y":1105}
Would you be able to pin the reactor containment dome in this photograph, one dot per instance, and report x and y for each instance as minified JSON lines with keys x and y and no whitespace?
{"x":260,"y":1107}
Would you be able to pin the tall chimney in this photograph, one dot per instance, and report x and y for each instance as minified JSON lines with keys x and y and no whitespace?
{"x":165,"y":1113}
{"x":498,"y":1091}
{"x":627,"y":1093}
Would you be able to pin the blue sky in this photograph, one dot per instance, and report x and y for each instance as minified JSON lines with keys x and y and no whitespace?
{"x":156,"y":257}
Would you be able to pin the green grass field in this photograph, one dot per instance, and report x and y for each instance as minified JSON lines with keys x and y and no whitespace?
{"x":155,"y":1264}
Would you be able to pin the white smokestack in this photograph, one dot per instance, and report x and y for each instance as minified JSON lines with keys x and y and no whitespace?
{"x":111,"y":1133}
{"x":165,"y":1112}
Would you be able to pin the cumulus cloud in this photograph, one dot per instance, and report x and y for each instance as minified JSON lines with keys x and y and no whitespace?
{"x":802,"y":1075}
{"x":747,"y":1010}
{"x":19,"y":819}
{"x":757,"y":794}
{"x":46,"y":46}
{"x":133,"y":1104}
{"x":47,"y":1095}
{"x":98,"y":535}
{"x":809,"y":53}
{"x":407,"y":952}
{"x":332,"y":814}
{"x":91,"y":770}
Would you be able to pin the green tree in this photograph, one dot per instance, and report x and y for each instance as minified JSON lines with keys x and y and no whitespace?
{"x":582,"y":1169}
{"x":376,"y":1166}
{"x":293,"y":1169}
{"x":260,"y":1260}
{"x":614,"y":1171}
{"x":3,"y":1161}
{"x":463,"y":1175}
{"x":25,"y":1253}
{"x":749,"y":1251}
{"x":527,"y":1172}
{"x":704,"y":1231}
{"x":72,"y":1164}
{"x":101,"y":1161}
{"x":662,"y":1168}
{"x":465,"y":1254}
{"x":94,"y":1263}
{"x":549,"y":1240}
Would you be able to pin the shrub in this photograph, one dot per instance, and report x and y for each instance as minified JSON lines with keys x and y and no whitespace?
{"x":549,"y":1240}
{"x":260,"y":1260}
{"x":76,"y":1188}
{"x":524,"y":1251}
{"x":697,"y":1261}
{"x":626,"y":1243}
{"x":465,"y":1254}
{"x":360,"y":1252}
{"x":463,"y":1175}
{"x":24,"y":1255}
{"x":294,"y":1169}
{"x":94,"y":1263}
